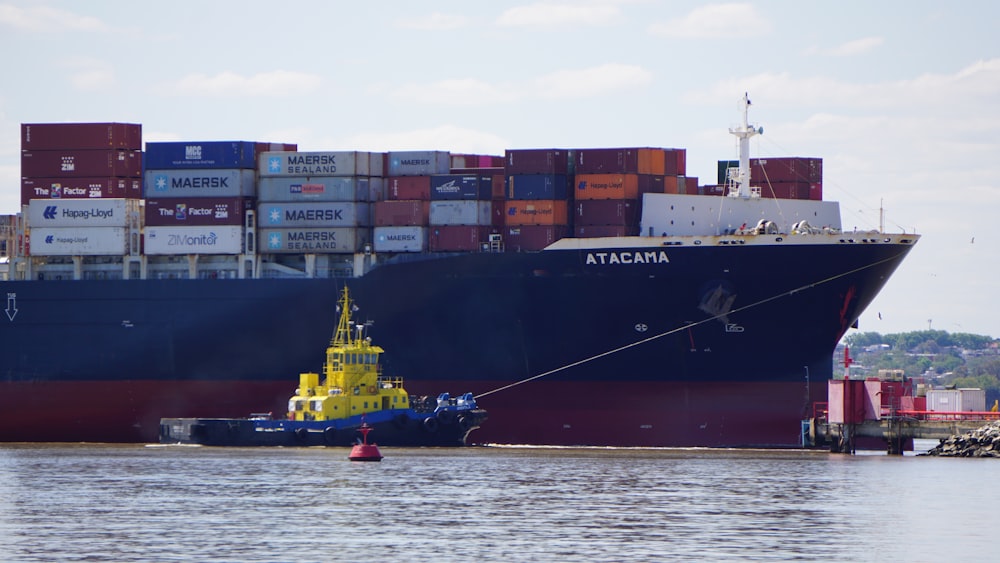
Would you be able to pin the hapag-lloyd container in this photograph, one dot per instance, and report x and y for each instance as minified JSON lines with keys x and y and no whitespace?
{"x":316,"y":240}
{"x":81,"y":212}
{"x":341,"y":163}
{"x":401,"y":213}
{"x":76,"y":241}
{"x":208,"y":182}
{"x":313,"y":188}
{"x":221,"y":239}
{"x":400,"y":239}
{"x":174,"y":155}
{"x":197,"y":211}
{"x":79,"y":188}
{"x":607,"y":186}
{"x":469,"y":212}
{"x":80,"y":136}
{"x":418,"y":163}
{"x":64,"y":163}
{"x":537,"y":186}
{"x":461,"y":186}
{"x":314,"y":214}
{"x":536,"y":212}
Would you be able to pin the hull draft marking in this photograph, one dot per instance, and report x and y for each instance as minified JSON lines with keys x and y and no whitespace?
{"x":11,"y":309}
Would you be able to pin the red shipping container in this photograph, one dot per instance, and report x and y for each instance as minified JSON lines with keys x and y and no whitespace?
{"x":816,"y":191}
{"x":620,"y":161}
{"x":402,"y":213}
{"x":532,"y":237}
{"x":651,"y":184}
{"x":536,"y":212}
{"x":499,"y":209}
{"x":785,"y":190}
{"x":691,"y":184}
{"x":408,"y":187}
{"x":596,"y":231}
{"x":671,"y":184}
{"x":81,"y":163}
{"x":80,"y":188}
{"x":80,"y":136}
{"x":458,"y":238}
{"x":197,"y":211}
{"x":536,"y":161}
{"x":618,"y":212}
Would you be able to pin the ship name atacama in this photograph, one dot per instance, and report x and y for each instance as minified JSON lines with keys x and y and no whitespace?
{"x":628,"y":257}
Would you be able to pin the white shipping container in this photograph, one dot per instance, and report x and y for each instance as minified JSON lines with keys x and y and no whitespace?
{"x":956,"y":400}
{"x":80,"y":212}
{"x":376,"y":164}
{"x":225,"y":239}
{"x":199,"y":182}
{"x":418,"y":163}
{"x":313,"y":188}
{"x":76,"y":241}
{"x":314,"y":214}
{"x":298,"y":163}
{"x":400,"y":239}
{"x":315,"y":240}
{"x":461,"y":212}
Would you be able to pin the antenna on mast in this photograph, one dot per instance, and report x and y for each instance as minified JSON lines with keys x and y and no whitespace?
{"x":743,"y":133}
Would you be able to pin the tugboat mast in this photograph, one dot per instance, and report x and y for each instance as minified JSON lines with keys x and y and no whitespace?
{"x":743,"y":133}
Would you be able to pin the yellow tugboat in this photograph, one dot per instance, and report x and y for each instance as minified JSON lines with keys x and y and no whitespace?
{"x":329,"y":408}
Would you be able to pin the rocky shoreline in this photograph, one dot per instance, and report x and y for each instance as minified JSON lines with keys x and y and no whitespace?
{"x":981,"y":442}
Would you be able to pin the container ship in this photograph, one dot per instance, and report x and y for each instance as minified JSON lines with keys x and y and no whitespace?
{"x":584,"y":296}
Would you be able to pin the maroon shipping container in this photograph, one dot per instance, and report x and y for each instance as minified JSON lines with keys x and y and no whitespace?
{"x":80,"y":136}
{"x":785,"y":190}
{"x":618,"y":212}
{"x":606,"y":161}
{"x":676,"y":162}
{"x":402,"y":213}
{"x":79,"y":188}
{"x":458,"y":238}
{"x":197,"y":211}
{"x":532,"y":237}
{"x":650,"y":184}
{"x":408,"y":187}
{"x":786,"y":169}
{"x":595,"y":231}
{"x":537,"y":161}
{"x":81,"y":163}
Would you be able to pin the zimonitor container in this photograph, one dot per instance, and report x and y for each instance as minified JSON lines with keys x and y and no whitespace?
{"x":79,"y":136}
{"x":197,"y":211}
{"x":79,"y":188}
{"x":314,"y":214}
{"x":473,"y":212}
{"x":340,"y":163}
{"x":620,"y":161}
{"x":538,"y":161}
{"x":536,"y":212}
{"x":313,"y":188}
{"x":417,"y":163}
{"x":77,"y":241}
{"x":538,"y":186}
{"x":532,"y":237}
{"x":624,"y":212}
{"x":461,"y":186}
{"x":173,"y":155}
{"x":81,"y":212}
{"x":400,"y":239}
{"x":220,"y":239}
{"x":402,"y":213}
{"x":208,"y":182}
{"x":81,"y":163}
{"x":408,"y":187}
{"x":457,"y":238}
{"x":316,"y":240}
{"x":607,"y":186}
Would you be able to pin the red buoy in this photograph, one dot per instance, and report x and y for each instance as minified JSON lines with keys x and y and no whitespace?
{"x":365,"y":451}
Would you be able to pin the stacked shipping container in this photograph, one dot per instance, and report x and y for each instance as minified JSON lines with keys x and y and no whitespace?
{"x":81,"y":183}
{"x":782,"y":178}
{"x":538,"y":197}
{"x":403,"y":218}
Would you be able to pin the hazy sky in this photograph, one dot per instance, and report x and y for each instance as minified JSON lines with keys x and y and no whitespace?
{"x":900,"y":99}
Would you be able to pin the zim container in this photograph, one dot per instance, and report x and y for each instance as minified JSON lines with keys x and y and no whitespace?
{"x":79,"y":136}
{"x":81,"y":163}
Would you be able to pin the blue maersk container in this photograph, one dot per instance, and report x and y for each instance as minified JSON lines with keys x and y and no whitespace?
{"x":537,"y":186}
{"x":201,"y":154}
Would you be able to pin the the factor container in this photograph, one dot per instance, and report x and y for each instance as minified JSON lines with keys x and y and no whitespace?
{"x":220,"y":239}
{"x":173,"y":155}
{"x":315,"y":240}
{"x":342,"y":163}
{"x":81,"y":212}
{"x":80,"y":136}
{"x":314,"y":214}
{"x":314,"y":188}
{"x":197,"y":211}
{"x":79,"y":188}
{"x":206,"y":182}
{"x":65,"y":163}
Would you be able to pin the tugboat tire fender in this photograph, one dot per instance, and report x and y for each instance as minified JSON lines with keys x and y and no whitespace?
{"x":302,"y":434}
{"x":330,"y":435}
{"x":431,"y":424}
{"x":464,"y":422}
{"x":446,"y":416}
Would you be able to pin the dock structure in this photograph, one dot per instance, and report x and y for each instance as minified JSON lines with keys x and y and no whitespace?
{"x":878,"y":412}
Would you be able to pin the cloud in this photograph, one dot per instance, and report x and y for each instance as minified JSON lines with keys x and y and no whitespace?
{"x":90,"y":75}
{"x":433,"y":22}
{"x":563,"y":84}
{"x":717,"y":21}
{"x":849,"y":49}
{"x":44,"y":18}
{"x":266,"y":84}
{"x":552,"y":14}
